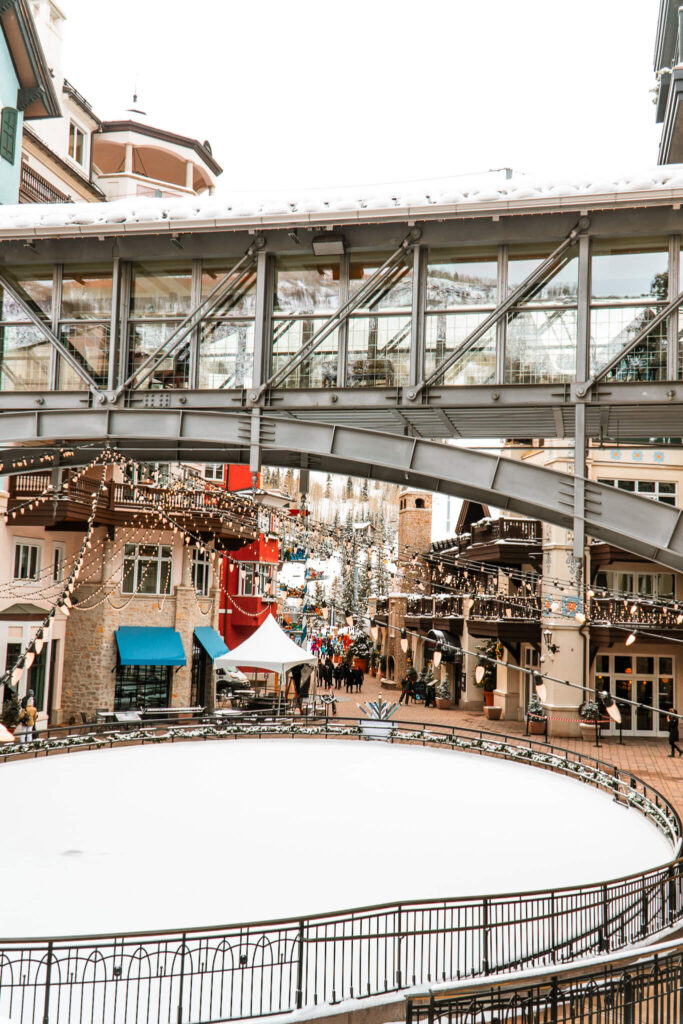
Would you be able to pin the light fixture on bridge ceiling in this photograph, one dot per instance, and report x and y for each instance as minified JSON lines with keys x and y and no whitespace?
{"x":329,"y":245}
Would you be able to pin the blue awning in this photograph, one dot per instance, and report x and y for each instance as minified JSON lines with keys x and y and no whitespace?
{"x":149,"y":645}
{"x":211,"y":641}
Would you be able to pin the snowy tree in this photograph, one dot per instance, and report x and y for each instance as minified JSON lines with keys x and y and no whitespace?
{"x":328,"y":486}
{"x":348,"y":492}
{"x":363,"y":585}
{"x":365,"y":494}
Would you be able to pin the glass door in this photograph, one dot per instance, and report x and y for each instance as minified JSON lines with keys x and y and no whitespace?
{"x":646,"y":679}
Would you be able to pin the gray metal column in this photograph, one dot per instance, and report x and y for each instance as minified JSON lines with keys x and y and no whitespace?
{"x":417,"y":323}
{"x":672,"y":325}
{"x":343,"y":331}
{"x":501,"y":326}
{"x":263,"y":316}
{"x":125,"y":284}
{"x":114,"y":323}
{"x":55,"y":309}
{"x":583,"y":326}
{"x":195,"y":334}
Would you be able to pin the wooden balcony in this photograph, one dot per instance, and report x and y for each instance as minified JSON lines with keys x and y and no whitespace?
{"x":502,"y":541}
{"x":201,"y":511}
{"x":437,"y":611}
{"x":512,"y":620}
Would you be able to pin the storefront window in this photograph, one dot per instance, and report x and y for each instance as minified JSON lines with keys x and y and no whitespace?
{"x":147,"y":569}
{"x":142,"y":686}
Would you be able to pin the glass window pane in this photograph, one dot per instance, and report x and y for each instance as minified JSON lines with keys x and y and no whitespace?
{"x":35,"y":284}
{"x":644,"y":693}
{"x":24,"y":359}
{"x":622,"y":664}
{"x":646,"y":487}
{"x":541,"y":346}
{"x":90,"y":344}
{"x":625,"y":582}
{"x":630,"y":275}
{"x":226,"y":354}
{"x":306,"y":285}
{"x":645,"y":585}
{"x":445,"y":332}
{"x":143,"y":340}
{"x":626,"y":485}
{"x":396,"y":293}
{"x":666,"y":698}
{"x":666,"y":487}
{"x":561,"y":288}
{"x":319,"y":370}
{"x":645,"y":666}
{"x":240,"y":302}
{"x":379,"y":351}
{"x":602,"y":663}
{"x":86,"y":294}
{"x":160,"y":291}
{"x":623,"y":688}
{"x":452,"y":282}
{"x":665,"y":585}
{"x":612,"y":329}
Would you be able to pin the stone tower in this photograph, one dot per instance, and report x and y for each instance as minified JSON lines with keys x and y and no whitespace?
{"x":414,"y":534}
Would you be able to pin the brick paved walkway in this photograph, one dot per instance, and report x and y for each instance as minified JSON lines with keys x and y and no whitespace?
{"x":647,"y":758}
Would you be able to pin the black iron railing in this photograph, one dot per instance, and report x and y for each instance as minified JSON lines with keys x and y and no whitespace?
{"x":629,"y":989}
{"x":260,"y":968}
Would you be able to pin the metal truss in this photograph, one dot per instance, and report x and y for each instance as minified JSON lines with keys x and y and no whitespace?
{"x":34,"y":314}
{"x":220,"y":294}
{"x":374,"y":289}
{"x":537,"y":277}
{"x":648,"y":529}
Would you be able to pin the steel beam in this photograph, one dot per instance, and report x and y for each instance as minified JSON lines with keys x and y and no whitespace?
{"x":649,"y":529}
{"x":535,"y":278}
{"x":13,"y":288}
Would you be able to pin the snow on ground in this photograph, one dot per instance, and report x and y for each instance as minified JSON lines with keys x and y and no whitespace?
{"x":214,"y":833}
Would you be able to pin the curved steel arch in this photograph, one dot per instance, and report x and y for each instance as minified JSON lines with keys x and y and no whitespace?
{"x":647,"y":528}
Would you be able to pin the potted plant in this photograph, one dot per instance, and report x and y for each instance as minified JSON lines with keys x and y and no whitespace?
{"x":443,"y":695}
{"x":359,"y":651}
{"x":536,"y":718}
{"x":589,"y":720}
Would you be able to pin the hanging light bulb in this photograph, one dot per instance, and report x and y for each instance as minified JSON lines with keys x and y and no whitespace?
{"x":17,"y":673}
{"x":29,"y":658}
{"x":610,"y":707}
{"x":38,"y":642}
{"x":539,"y":686}
{"x":404,"y":641}
{"x":479,"y":673}
{"x":438,"y":650}
{"x":580,"y":617}
{"x":63,"y":609}
{"x":631,"y":638}
{"x":349,"y":620}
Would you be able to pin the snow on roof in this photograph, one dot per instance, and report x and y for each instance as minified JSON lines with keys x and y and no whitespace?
{"x":464,"y":195}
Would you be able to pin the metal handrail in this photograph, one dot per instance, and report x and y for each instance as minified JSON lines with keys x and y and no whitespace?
{"x":266,"y":967}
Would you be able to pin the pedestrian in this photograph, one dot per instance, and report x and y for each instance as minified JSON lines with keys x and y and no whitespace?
{"x":406,"y":687}
{"x":328,"y":670}
{"x":358,"y":679}
{"x":348,"y":677}
{"x":296,"y":679}
{"x":672,"y":729}
{"x":430,"y":693}
{"x":338,"y":676}
{"x":27,"y":719}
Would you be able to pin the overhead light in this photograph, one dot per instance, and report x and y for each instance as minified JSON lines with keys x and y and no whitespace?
{"x":374,"y":631}
{"x":404,"y":641}
{"x":328,"y":245}
{"x":479,"y":673}
{"x":631,"y":638}
{"x":29,"y":658}
{"x":349,"y":620}
{"x":64,"y":609}
{"x":437,"y":655}
{"x":539,"y":686}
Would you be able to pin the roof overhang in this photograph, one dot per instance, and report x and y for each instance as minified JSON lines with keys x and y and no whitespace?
{"x":36,"y":97}
{"x":183,"y":141}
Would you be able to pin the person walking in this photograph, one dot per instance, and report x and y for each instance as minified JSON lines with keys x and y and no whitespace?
{"x":27,"y":718}
{"x":406,"y":687}
{"x":329,"y":670}
{"x":672,"y":729}
{"x":338,"y":676}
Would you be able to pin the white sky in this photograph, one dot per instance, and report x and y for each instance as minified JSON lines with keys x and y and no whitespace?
{"x":305,"y":94}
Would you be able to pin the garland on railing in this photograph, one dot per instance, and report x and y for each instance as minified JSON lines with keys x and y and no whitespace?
{"x":662,"y":816}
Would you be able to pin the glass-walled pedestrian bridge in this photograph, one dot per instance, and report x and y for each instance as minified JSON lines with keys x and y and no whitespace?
{"x":493,"y":315}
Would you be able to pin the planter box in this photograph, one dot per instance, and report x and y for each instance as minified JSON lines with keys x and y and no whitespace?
{"x":488,"y":698}
{"x":587,"y":730}
{"x":376,"y":729}
{"x":536,"y":728}
{"x":493,"y":714}
{"x":443,"y":703}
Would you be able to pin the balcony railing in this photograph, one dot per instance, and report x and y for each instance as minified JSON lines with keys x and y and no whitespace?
{"x":526,"y":609}
{"x":34,"y":188}
{"x":633,"y":612}
{"x":519,"y":530}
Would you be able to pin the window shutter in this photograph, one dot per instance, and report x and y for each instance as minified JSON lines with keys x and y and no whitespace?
{"x":8,"y":134}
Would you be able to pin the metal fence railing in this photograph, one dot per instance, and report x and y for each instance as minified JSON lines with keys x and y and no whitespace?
{"x":259,"y":968}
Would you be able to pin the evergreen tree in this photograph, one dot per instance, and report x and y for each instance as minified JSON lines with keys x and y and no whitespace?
{"x":363,"y":585}
{"x":365,"y":494}
{"x":328,"y":486}
{"x":348,"y":493}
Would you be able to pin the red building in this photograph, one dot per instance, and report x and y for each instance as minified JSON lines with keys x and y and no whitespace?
{"x":248,"y":592}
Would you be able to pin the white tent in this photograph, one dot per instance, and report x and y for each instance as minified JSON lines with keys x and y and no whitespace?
{"x":268,"y":648}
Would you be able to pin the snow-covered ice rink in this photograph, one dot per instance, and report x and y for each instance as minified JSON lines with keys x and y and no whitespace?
{"x":213,"y":833}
